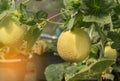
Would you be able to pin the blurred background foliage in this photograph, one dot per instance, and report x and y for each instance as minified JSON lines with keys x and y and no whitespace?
{"x":52,"y":7}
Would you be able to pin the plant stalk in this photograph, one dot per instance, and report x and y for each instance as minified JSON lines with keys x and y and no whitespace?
{"x":111,"y":24}
{"x":56,"y":15}
{"x":91,"y":31}
{"x":102,"y":41}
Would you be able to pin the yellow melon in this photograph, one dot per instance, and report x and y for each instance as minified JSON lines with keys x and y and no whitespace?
{"x":11,"y":31}
{"x":110,"y":53}
{"x":74,"y":45}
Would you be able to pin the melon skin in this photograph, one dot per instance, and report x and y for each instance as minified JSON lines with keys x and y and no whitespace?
{"x":110,"y":53}
{"x":74,"y":45}
{"x":11,"y":32}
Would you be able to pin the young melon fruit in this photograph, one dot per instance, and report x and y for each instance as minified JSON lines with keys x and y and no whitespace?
{"x":11,"y":31}
{"x":74,"y":45}
{"x":110,"y":53}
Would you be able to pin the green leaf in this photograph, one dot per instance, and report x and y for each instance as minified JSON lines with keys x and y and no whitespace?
{"x":97,"y":10}
{"x":40,"y":15}
{"x":101,"y":65}
{"x":31,"y":18}
{"x":117,"y":8}
{"x":30,"y":22}
{"x":31,"y":36}
{"x":116,"y":68}
{"x":5,"y":8}
{"x":93,"y":70}
{"x":4,"y":13}
{"x":80,"y":75}
{"x":71,"y":4}
{"x":115,"y":37}
{"x":70,"y":71}
{"x":78,"y":22}
{"x":55,"y":72}
{"x":116,"y":21}
{"x":24,"y":15}
{"x":94,"y":51}
{"x":4,"y":5}
{"x":117,"y":1}
{"x":70,"y":23}
{"x":65,"y":15}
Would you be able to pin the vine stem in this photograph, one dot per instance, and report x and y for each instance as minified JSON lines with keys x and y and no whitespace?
{"x":48,"y":20}
{"x":91,"y":31}
{"x":111,"y":24}
{"x":53,"y":22}
{"x":56,"y":15}
{"x":102,"y":41}
{"x":102,"y":49}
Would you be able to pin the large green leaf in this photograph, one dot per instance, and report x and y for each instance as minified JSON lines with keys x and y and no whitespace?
{"x":93,"y":70}
{"x":31,"y":36}
{"x":70,"y":71}
{"x":80,"y":75}
{"x":55,"y":72}
{"x":102,"y":65}
{"x":115,"y":37}
{"x":97,"y":10}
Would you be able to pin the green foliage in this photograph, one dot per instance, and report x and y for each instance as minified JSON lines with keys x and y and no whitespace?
{"x":33,"y":21}
{"x":115,"y":37}
{"x":31,"y":36}
{"x":5,"y":8}
{"x":97,"y":10}
{"x":55,"y":72}
{"x":103,"y":64}
{"x":104,"y":17}
{"x":92,"y":70}
{"x":33,"y":18}
{"x":76,"y":72}
{"x":72,"y":4}
{"x":94,"y":51}
{"x":4,"y":5}
{"x":116,"y":68}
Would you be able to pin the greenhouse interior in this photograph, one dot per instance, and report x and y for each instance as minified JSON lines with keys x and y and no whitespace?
{"x":59,"y":40}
